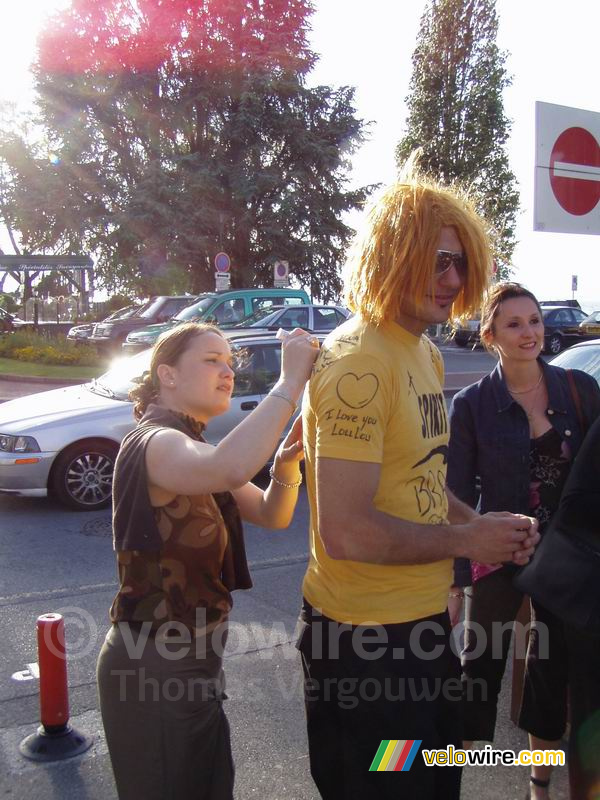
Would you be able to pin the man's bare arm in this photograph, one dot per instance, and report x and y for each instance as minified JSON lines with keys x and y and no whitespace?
{"x":352,"y":529}
{"x":459,"y":512}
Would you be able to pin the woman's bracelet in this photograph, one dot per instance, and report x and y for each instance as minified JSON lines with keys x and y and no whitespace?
{"x":281,"y":483}
{"x":284,"y":396}
{"x":456,"y":594}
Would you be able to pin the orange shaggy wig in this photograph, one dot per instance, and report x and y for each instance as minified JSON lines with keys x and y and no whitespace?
{"x":393,"y":258}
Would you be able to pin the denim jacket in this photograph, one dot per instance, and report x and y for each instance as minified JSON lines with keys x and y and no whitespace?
{"x":490,"y":442}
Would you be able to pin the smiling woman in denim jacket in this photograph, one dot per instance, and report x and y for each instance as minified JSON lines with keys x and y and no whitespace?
{"x":513,"y":436}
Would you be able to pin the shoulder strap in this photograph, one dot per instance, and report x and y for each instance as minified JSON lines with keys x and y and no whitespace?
{"x":576,"y":400}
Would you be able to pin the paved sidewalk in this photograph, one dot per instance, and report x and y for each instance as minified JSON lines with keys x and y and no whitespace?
{"x":15,"y":386}
{"x":264,"y":684}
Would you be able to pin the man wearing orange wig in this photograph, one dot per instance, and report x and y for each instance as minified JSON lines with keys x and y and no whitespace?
{"x":382,"y":682}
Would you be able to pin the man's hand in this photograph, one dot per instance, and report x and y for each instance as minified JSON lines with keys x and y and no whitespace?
{"x":497,"y":537}
{"x":522,"y":556}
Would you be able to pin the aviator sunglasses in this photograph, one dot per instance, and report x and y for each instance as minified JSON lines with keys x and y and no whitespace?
{"x":446,"y":258}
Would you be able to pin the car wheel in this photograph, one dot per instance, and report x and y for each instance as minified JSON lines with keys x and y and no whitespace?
{"x":460,"y":342}
{"x":555,"y":344}
{"x":82,"y":475}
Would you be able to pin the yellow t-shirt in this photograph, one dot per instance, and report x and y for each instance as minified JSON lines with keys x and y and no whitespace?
{"x":376,"y":396}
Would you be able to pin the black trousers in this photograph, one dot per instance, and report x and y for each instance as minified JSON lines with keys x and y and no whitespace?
{"x":492,"y":606}
{"x":402,"y":684}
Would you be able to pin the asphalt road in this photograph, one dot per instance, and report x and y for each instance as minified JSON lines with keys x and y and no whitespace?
{"x":56,"y":560}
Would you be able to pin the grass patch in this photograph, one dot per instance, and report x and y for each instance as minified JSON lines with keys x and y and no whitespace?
{"x":10,"y":366}
{"x":39,"y":348}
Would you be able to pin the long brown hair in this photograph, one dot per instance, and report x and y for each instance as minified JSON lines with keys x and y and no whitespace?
{"x":491,"y":306}
{"x":168,"y":349}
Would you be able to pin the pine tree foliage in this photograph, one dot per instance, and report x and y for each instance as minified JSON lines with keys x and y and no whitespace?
{"x":179,"y":128}
{"x":456,"y":111}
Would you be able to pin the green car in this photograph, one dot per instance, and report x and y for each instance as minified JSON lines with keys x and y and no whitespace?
{"x":222,"y":308}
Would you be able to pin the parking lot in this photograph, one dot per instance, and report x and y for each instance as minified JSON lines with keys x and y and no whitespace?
{"x":57,"y":560}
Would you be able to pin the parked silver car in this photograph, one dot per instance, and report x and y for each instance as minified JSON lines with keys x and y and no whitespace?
{"x":584,"y":356}
{"x":318,"y":319}
{"x":64,"y":442}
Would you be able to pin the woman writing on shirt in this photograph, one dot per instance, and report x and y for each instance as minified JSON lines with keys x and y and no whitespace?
{"x":177,"y":503}
{"x":517,"y":430}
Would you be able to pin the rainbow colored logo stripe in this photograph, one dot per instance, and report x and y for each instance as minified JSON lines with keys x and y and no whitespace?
{"x":395,"y":755}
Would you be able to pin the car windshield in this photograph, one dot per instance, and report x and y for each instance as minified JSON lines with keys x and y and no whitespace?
{"x":124,"y":313}
{"x":132,"y":311}
{"x":549,"y":311}
{"x":195,"y":310}
{"x":149,"y":309}
{"x":119,"y":380}
{"x":586,"y":358}
{"x":593,"y":318}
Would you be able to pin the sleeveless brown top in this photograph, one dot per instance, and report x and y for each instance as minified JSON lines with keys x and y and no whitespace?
{"x":175,"y":562}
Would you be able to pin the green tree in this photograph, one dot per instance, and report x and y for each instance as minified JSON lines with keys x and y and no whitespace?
{"x":174,"y":129}
{"x":456,"y":112}
{"x":8,"y":302}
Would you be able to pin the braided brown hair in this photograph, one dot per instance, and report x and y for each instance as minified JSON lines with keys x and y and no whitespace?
{"x":168,"y":350}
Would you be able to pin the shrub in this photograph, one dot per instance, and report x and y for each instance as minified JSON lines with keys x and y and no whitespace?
{"x":7,"y":302}
{"x":31,"y":347}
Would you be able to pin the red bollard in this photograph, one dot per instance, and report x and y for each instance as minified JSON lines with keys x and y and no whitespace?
{"x":55,"y":739}
{"x":52,"y":660}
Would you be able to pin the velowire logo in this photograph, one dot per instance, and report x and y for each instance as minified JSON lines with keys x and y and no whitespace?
{"x":395,"y":755}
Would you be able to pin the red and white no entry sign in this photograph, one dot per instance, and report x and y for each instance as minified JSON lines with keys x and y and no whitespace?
{"x":575,"y":171}
{"x":567,"y":170}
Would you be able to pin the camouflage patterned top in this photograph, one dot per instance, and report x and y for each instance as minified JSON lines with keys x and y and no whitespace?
{"x":182,"y":581}
{"x":182,"y":578}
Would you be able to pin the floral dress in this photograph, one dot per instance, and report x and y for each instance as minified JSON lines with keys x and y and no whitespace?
{"x":549,"y":465}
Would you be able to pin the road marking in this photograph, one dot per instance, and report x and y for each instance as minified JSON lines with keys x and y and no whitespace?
{"x":67,"y":591}
{"x":64,"y":591}
{"x":30,"y":673}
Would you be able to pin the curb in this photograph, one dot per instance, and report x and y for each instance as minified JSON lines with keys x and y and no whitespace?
{"x":49,"y":381}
